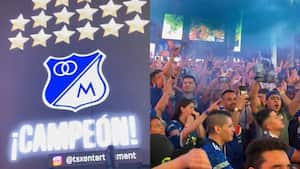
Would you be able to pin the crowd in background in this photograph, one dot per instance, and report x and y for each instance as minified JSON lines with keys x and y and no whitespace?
{"x":207,"y":111}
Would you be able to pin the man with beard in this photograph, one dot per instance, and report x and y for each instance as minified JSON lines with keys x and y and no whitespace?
{"x":234,"y":105}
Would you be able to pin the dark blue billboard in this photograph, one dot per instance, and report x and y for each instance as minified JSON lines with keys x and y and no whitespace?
{"x":74,"y":80}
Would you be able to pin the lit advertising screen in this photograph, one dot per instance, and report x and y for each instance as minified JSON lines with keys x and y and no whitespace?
{"x":73,"y":83}
{"x":201,"y":31}
{"x":172,"y":27}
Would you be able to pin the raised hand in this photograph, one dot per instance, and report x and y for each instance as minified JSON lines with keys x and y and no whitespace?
{"x":175,"y":51}
{"x":214,"y":106}
{"x":283,"y":87}
{"x":242,"y":100}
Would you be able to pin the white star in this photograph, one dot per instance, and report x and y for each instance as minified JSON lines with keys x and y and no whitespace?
{"x":86,"y":13}
{"x":63,"y":16}
{"x":111,"y":28}
{"x":134,"y":6}
{"x":19,"y":23}
{"x":78,"y":1}
{"x":37,"y":4}
{"x":40,"y":38}
{"x":62,"y":2}
{"x":18,"y":41}
{"x":136,"y":24}
{"x":87,"y":31}
{"x":63,"y":35}
{"x":110,"y":9}
{"x":41,"y":20}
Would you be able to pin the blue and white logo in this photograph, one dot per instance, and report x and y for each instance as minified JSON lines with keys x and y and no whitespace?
{"x":75,"y":81}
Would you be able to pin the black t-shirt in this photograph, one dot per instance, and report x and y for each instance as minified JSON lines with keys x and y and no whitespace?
{"x":161,"y":149}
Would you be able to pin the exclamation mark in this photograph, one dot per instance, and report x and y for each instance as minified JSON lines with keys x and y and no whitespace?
{"x":14,"y":147}
{"x":132,"y":126}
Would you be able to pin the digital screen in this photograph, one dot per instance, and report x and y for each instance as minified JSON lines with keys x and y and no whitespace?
{"x":238,"y":37}
{"x":202,"y":32}
{"x":172,"y":27}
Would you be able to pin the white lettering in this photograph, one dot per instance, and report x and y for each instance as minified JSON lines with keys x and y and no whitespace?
{"x":25,"y":143}
{"x":14,"y":147}
{"x":39,"y":139}
{"x":68,"y":135}
{"x":88,"y":133}
{"x":60,"y":132}
{"x":75,"y":133}
{"x":120,"y":130}
{"x":103,"y":131}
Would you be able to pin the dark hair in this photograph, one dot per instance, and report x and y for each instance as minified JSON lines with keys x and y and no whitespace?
{"x":182,"y":103}
{"x":257,"y":147}
{"x":216,"y":118}
{"x":153,"y":74}
{"x":262,"y":116}
{"x":227,"y":91}
{"x":190,"y":77}
{"x":271,"y":93}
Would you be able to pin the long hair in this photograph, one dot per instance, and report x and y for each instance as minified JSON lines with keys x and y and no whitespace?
{"x":182,"y":103}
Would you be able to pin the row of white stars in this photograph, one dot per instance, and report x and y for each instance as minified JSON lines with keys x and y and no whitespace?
{"x":64,"y":15}
{"x":86,"y":32}
{"x":132,"y":5}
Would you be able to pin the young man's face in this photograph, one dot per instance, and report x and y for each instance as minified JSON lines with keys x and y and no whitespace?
{"x":188,"y":85}
{"x":227,"y":130}
{"x":275,"y":159}
{"x":274,"y":103}
{"x":274,"y":122}
{"x":229,"y":101}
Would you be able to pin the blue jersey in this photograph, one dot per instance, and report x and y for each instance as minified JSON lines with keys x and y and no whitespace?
{"x":216,"y":155}
{"x":176,"y":140}
{"x":174,"y":125}
{"x":155,"y":95}
{"x":234,"y":152}
{"x":294,"y":131}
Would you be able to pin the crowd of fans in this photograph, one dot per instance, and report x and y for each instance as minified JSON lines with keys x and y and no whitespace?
{"x":215,"y":113}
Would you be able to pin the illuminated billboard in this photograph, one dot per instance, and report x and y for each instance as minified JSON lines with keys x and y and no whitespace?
{"x":172,"y":27}
{"x":238,"y":36}
{"x":61,"y":67}
{"x":201,"y":31}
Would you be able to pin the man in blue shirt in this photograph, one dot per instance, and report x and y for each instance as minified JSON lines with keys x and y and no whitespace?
{"x":294,"y":131}
{"x":220,"y":130}
{"x":188,"y":90}
{"x":234,"y":105}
